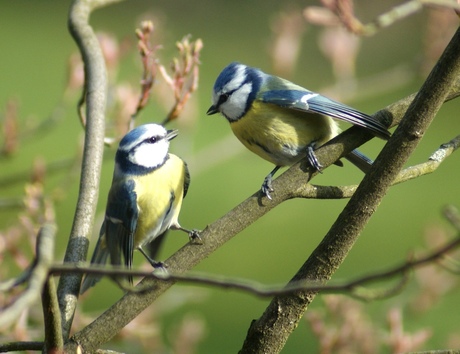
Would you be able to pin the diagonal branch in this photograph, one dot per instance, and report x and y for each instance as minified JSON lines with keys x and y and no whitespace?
{"x":270,"y":332}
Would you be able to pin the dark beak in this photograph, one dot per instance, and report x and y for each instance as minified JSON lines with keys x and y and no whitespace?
{"x":171,"y":134}
{"x":212,"y":110}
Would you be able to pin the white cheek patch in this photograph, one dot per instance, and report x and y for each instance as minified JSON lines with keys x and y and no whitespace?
{"x":235,"y":106}
{"x":150,"y":155}
{"x":238,"y":78}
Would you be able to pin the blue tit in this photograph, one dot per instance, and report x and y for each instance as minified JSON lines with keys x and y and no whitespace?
{"x":144,"y":200}
{"x":281,"y":121}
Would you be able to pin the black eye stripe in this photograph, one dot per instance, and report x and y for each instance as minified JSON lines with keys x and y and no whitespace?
{"x":149,"y":140}
{"x":223,"y":98}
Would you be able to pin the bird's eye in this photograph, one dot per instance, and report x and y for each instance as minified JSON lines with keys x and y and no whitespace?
{"x":151,"y":140}
{"x":223,"y":98}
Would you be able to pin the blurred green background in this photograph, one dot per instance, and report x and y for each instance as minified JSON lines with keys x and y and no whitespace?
{"x":33,"y":69}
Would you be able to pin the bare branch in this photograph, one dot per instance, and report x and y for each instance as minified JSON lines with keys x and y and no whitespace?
{"x":435,"y":160}
{"x":20,"y":346}
{"x":95,"y":97}
{"x":185,"y":72}
{"x":402,"y":11}
{"x":149,"y":65}
{"x":313,"y":191}
{"x":52,"y":318}
{"x":35,"y":276}
{"x":353,"y":288}
{"x":344,"y":14}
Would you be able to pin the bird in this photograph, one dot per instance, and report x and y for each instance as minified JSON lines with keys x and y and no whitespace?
{"x":283,"y":122}
{"x":144,"y":200}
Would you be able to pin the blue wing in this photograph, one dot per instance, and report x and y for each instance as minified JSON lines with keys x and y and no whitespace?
{"x":120,"y":222}
{"x":116,"y":236}
{"x":100,"y":255}
{"x":311,"y":102}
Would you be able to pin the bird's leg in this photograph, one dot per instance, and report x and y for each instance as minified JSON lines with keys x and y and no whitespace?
{"x":311,"y":156}
{"x":193,"y":235}
{"x":154,"y":263}
{"x":356,"y":157}
{"x":267,"y":185}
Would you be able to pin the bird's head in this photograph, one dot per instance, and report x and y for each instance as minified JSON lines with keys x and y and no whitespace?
{"x":144,"y":148}
{"x":234,"y":91}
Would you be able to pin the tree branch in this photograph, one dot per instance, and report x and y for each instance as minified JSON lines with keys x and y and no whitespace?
{"x":313,"y":191}
{"x":52,"y":318}
{"x":270,"y":332}
{"x":353,"y":288}
{"x":20,"y":346}
{"x":35,"y":276}
{"x":96,"y":92}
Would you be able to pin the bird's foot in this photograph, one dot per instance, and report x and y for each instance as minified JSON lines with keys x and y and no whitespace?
{"x":312,"y":159}
{"x":267,"y":187}
{"x":153,"y":263}
{"x":194,"y":236}
{"x":158,"y":265}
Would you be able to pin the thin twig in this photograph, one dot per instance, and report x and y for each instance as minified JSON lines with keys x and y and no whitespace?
{"x":20,"y":346}
{"x":149,"y":65}
{"x":313,"y":191}
{"x":344,"y":14}
{"x":353,"y":288}
{"x":35,"y":276}
{"x":184,"y":78}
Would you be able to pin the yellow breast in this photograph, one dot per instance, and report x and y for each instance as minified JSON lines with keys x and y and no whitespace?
{"x":159,"y":199}
{"x":281,"y":135}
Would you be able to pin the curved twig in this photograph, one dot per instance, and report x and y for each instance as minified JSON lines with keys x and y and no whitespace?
{"x":36,"y":276}
{"x":96,"y":90}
